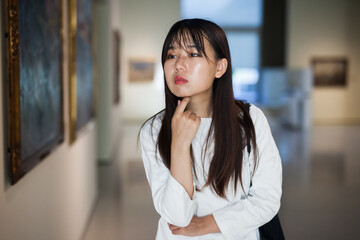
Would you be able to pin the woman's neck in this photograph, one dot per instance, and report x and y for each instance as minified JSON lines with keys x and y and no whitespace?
{"x":202,"y":107}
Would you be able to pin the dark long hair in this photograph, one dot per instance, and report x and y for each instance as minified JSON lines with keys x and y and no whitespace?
{"x":231,"y":128}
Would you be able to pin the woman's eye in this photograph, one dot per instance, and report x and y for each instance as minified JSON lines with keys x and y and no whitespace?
{"x":171,"y":56}
{"x":194,"y":55}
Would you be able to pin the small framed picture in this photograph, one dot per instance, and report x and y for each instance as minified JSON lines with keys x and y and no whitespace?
{"x":141,"y":69}
{"x":117,"y":65}
{"x":329,"y":71}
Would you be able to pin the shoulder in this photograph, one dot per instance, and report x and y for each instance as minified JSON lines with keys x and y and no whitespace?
{"x":255,"y":112}
{"x":257,"y":116}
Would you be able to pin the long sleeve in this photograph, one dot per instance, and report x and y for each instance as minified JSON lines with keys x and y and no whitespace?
{"x":263,"y":200}
{"x":170,"y":199}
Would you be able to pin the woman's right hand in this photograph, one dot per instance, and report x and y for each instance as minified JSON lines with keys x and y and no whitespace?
{"x":184,"y":125}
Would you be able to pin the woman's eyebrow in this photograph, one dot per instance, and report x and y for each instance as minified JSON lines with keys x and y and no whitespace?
{"x":191,"y":46}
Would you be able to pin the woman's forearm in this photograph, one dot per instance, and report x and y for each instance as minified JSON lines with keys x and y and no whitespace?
{"x":184,"y":125}
{"x":180,"y":167}
{"x":197,"y":227}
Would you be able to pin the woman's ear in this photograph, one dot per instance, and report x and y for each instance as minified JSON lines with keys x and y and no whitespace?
{"x":221,"y":67}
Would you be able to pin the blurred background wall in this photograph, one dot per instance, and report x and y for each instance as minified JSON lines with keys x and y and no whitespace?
{"x":322,"y":27}
{"x":313,"y":28}
{"x":144,"y":25}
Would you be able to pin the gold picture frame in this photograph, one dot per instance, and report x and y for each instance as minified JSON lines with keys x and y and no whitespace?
{"x":72,"y":69}
{"x":81,"y":66}
{"x":34,"y":87}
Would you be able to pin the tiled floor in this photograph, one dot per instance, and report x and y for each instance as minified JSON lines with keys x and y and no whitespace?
{"x":321,"y":187}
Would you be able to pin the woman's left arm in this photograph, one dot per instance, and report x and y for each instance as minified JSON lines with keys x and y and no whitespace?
{"x":263,"y":200}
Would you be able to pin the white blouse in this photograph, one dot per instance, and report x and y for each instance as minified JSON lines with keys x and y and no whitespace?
{"x":238,"y":217}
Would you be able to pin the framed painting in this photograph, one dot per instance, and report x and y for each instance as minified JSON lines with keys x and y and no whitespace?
{"x":34,"y":85}
{"x":116,"y":77}
{"x":329,"y":71}
{"x":81,"y":77}
{"x":141,"y":69}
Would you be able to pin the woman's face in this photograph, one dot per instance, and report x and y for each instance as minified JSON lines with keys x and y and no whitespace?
{"x":188,"y":73}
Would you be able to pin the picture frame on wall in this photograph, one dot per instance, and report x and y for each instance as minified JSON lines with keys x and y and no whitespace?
{"x":330,"y":71}
{"x":81,"y":66}
{"x":141,"y":69}
{"x":34,"y":82}
{"x":117,"y":66}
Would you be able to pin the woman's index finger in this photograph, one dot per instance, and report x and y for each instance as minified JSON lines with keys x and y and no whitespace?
{"x":181,"y":107}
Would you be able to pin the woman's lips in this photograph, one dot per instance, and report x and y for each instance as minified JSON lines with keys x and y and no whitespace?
{"x":180,"y":80}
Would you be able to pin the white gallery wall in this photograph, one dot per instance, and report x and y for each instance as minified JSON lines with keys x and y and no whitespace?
{"x":144,"y":25}
{"x":327,"y":28}
{"x":107,"y":15}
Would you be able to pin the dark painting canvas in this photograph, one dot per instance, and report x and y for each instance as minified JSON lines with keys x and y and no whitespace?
{"x":38,"y":118}
{"x":84,"y":74}
{"x":330,"y":71}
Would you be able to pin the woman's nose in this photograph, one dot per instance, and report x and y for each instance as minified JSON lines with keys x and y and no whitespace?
{"x":180,"y":64}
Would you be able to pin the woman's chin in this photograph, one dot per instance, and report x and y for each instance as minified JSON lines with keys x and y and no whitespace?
{"x":180,"y":95}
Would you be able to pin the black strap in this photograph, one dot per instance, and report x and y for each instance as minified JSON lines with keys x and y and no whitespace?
{"x":272,"y":230}
{"x":248,"y":146}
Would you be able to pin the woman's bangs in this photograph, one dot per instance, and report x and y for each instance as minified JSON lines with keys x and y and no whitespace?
{"x":186,"y":37}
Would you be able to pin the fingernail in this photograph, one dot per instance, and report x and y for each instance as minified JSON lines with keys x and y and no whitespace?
{"x":178,"y":102}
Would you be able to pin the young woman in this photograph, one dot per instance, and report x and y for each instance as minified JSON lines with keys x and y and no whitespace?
{"x":212,"y":164}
